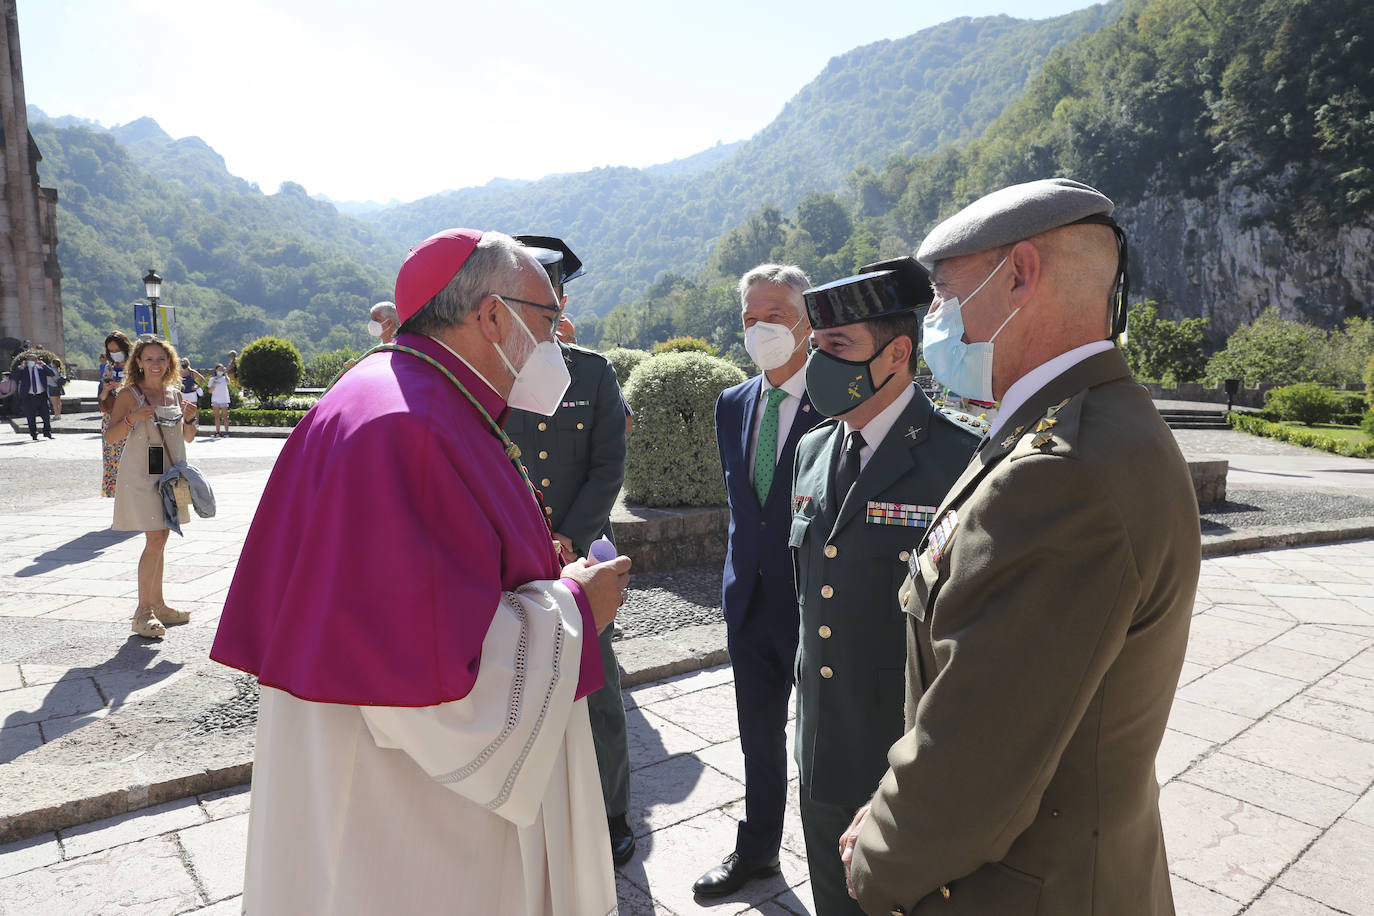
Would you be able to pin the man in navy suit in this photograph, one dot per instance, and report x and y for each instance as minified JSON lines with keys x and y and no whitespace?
{"x":32,"y":377}
{"x":758,"y":424}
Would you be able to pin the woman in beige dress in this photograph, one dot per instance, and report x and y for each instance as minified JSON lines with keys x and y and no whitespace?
{"x":149,"y":413}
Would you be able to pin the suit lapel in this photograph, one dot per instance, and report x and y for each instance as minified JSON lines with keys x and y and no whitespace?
{"x":1095,"y":370}
{"x":895,"y":456}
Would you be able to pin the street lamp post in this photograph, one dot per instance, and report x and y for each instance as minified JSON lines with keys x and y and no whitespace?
{"x":152,"y":285}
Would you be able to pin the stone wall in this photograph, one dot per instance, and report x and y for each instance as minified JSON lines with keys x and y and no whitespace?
{"x":1247,"y":396}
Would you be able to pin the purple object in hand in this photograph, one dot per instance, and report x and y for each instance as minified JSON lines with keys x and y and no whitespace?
{"x":602,"y":550}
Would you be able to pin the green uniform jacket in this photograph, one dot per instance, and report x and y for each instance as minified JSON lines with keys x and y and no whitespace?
{"x":1048,"y":615}
{"x":577,"y":456}
{"x":849,"y":565}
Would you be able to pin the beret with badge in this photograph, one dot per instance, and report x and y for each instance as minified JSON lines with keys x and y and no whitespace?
{"x":1021,"y":211}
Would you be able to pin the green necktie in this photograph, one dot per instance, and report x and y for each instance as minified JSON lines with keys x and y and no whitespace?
{"x":766,"y":452}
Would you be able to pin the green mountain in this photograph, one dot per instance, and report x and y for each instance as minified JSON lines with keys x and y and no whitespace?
{"x":912,"y":95}
{"x":1235,"y":138}
{"x":238,"y":263}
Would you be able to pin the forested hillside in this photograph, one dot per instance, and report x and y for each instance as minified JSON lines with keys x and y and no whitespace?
{"x":238,"y":263}
{"x":911,"y":95}
{"x":1235,"y":136}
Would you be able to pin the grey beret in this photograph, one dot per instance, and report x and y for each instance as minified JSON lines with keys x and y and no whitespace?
{"x":1010,"y":215}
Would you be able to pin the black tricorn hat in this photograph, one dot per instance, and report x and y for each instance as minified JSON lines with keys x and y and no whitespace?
{"x":883,"y":288}
{"x":558,"y":259}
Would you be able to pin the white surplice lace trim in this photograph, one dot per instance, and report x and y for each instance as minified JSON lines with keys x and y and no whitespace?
{"x":514,"y":709}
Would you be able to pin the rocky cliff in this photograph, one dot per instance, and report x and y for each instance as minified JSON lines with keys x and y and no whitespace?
{"x":1230,"y":256}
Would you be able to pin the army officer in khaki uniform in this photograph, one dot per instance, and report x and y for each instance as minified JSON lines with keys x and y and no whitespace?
{"x":1048,"y":609}
{"x":867,"y":483}
{"x":577,"y":460}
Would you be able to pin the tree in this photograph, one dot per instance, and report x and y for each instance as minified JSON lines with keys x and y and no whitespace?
{"x":1272,"y":349}
{"x":825,"y":219}
{"x":1157,"y":347}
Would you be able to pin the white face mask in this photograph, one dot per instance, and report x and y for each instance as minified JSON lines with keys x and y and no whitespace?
{"x":219,"y":372}
{"x":31,"y":363}
{"x":770,"y":345}
{"x":543,"y":378}
{"x":117,"y":356}
{"x":374,"y":328}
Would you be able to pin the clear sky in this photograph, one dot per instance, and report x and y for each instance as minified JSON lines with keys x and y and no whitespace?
{"x":382,"y":99}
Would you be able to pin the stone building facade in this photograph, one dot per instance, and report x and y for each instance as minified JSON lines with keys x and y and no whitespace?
{"x":30,"y":278}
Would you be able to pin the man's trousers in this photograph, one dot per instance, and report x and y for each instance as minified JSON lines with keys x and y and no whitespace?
{"x":606,"y":709}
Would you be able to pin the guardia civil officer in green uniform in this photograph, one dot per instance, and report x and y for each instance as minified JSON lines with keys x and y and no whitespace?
{"x":866,"y":485}
{"x":577,"y":459}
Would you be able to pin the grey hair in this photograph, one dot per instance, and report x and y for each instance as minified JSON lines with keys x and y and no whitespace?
{"x":384,"y":309}
{"x":778,"y":274}
{"x":496,"y":256}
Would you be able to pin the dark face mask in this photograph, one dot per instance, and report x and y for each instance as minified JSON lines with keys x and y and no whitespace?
{"x":836,"y":386}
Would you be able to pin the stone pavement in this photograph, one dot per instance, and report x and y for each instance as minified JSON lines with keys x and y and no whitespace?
{"x":1267,"y":772}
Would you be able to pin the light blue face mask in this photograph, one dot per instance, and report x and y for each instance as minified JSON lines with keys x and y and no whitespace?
{"x":964,"y":368}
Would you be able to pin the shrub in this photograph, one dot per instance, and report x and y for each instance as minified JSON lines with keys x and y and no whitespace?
{"x":686,"y":345}
{"x":265,"y":417}
{"x":671,"y":457}
{"x":1367,"y":424}
{"x":624,"y":360}
{"x":1248,"y":423}
{"x":1306,"y":403}
{"x":324,"y":366}
{"x":270,"y":366}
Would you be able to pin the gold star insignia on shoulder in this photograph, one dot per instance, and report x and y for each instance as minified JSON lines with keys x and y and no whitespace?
{"x":911,"y":432}
{"x":1042,"y":439}
{"x":1046,"y":424}
{"x":1049,"y":414}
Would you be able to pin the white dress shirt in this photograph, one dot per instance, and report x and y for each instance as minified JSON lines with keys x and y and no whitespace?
{"x":1028,"y":384}
{"x":876,"y":430}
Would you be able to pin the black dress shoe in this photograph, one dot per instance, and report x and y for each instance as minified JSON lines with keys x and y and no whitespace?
{"x":622,"y":839}
{"x":732,"y":874}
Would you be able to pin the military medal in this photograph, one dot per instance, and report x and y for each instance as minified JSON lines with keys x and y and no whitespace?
{"x":941,"y":534}
{"x":800,"y":502}
{"x":902,"y":514}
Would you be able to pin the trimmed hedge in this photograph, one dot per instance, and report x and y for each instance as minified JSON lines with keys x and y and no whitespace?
{"x":1307,"y":438}
{"x":671,"y":457}
{"x":624,"y":360}
{"x":1305,"y":402}
{"x":265,"y":417}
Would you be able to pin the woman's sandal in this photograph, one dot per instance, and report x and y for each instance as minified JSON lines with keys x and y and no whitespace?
{"x":170,"y":616}
{"x":144,"y":624}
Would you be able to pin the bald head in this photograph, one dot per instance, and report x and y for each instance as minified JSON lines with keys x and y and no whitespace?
{"x":1079,"y":263}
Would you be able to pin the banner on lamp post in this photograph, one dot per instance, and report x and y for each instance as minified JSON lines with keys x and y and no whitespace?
{"x":143,"y":318}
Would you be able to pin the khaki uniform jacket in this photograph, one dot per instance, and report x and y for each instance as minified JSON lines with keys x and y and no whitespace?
{"x":1048,"y":614}
{"x":577,"y":456}
{"x":849,"y":564}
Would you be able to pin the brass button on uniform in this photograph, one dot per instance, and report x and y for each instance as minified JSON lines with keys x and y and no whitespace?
{"x":824,"y":631}
{"x":544,"y":482}
{"x":830,"y":551}
{"x":944,"y":891}
{"x":826,"y":672}
{"x":548,"y":510}
{"x":904,"y":555}
{"x":543,"y":454}
{"x":543,"y":426}
{"x":580,"y":426}
{"x":826,"y":591}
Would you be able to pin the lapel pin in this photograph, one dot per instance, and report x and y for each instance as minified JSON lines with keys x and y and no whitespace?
{"x":911,"y":432}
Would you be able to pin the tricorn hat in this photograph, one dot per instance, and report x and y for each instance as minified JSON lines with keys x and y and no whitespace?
{"x":555,"y":256}
{"x":884,"y":288}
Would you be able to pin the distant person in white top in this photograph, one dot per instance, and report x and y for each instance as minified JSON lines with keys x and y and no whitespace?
{"x":382,"y":321}
{"x":219,"y":399}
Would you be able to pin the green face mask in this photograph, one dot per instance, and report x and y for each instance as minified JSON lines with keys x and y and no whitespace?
{"x":836,"y":386}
